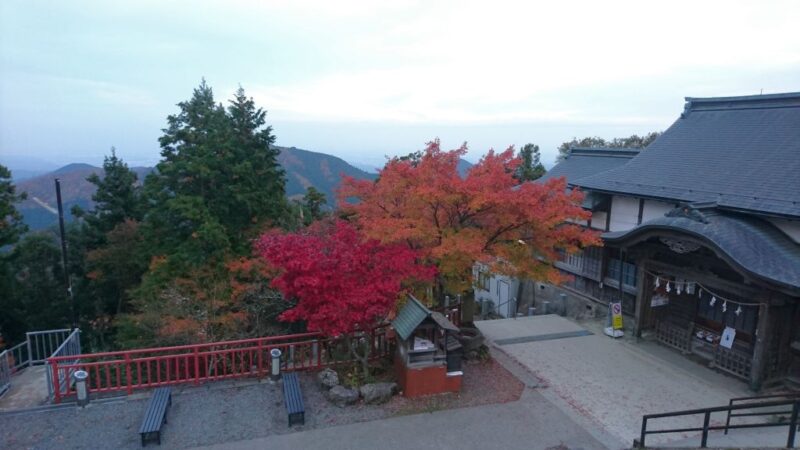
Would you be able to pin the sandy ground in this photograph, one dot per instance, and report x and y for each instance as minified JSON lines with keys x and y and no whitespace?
{"x":614,"y":382}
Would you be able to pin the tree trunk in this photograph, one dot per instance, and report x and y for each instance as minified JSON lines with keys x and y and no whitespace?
{"x":352,"y":344}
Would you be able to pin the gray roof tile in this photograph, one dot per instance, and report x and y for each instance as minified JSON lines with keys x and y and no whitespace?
{"x":753,"y":244}
{"x":741,"y":152}
{"x":584,"y":162}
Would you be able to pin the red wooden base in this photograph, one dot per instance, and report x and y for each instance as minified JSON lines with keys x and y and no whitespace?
{"x":418,"y":382}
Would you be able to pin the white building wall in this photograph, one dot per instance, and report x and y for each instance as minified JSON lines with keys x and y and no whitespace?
{"x":624,"y":213}
{"x":501,"y":290}
{"x":599,"y":220}
{"x":654,"y":209}
{"x":790,"y":227}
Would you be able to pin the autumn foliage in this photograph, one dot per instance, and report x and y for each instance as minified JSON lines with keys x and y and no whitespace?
{"x":486,"y":216}
{"x":341,"y":281}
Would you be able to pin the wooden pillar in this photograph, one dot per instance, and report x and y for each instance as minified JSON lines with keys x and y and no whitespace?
{"x":759,"y":353}
{"x":641,"y":282}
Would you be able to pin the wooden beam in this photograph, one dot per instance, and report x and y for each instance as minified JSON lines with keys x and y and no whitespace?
{"x":706,"y":278}
{"x":641,"y":211}
{"x":759,"y":354}
{"x":641,"y":280}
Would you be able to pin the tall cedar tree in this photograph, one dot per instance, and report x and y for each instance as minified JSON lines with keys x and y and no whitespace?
{"x":11,"y":228}
{"x":218,"y":184}
{"x":106,"y":258}
{"x":487,"y":216}
{"x":117,"y":197}
{"x":341,"y":282}
{"x":314,"y":201}
{"x":11,"y":225}
{"x":38,"y":300}
{"x":219,"y":180}
{"x":531,"y":167}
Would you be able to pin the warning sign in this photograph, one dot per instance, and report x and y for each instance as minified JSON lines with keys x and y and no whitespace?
{"x":616,"y":316}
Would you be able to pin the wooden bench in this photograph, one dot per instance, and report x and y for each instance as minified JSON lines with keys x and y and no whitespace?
{"x":156,"y":414}
{"x":293,"y":399}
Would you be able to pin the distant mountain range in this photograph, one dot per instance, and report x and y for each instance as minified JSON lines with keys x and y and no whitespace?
{"x":303,"y":169}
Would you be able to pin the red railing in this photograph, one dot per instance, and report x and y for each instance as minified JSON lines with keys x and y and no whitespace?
{"x":146,"y":368}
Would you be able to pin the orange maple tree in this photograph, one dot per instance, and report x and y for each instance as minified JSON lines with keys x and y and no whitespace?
{"x":486,"y":216}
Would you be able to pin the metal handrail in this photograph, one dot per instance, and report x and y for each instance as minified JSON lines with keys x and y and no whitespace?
{"x":37,"y":346}
{"x":795,"y":403}
{"x":787,"y":395}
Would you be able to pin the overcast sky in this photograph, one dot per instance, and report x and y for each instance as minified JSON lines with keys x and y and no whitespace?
{"x":363,"y":80}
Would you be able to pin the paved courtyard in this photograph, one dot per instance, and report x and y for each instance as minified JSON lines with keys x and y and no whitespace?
{"x":579,"y":390}
{"x":611,"y":383}
{"x":530,"y":423}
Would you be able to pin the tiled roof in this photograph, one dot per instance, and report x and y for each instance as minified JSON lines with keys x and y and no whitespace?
{"x":413,"y":313}
{"x":754,"y":245}
{"x":409,"y":318}
{"x":583,"y":162}
{"x":741,"y":152}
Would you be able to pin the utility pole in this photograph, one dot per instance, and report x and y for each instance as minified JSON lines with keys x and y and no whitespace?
{"x":67,"y":281}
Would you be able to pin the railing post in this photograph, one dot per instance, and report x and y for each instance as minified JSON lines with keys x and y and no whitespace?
{"x":644,"y":432}
{"x":728,"y":419}
{"x":793,"y":424}
{"x":56,"y":382}
{"x":260,"y":357}
{"x":704,"y":440}
{"x":28,"y":340}
{"x":128,"y":374}
{"x":196,"y":366}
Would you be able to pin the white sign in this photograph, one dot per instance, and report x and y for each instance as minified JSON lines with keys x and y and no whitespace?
{"x":659,"y":300}
{"x":727,"y":337}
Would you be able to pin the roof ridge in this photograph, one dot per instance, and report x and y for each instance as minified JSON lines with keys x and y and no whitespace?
{"x":759,"y":101}
{"x":616,"y":152}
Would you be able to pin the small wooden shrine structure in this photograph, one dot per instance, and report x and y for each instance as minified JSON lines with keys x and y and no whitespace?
{"x":428,"y":358}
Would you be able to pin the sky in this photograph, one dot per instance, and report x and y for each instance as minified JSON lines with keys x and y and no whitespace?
{"x":363,"y":80}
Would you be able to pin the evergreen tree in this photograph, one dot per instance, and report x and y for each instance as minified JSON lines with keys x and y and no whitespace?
{"x":217,"y":186}
{"x":105,"y":255}
{"x":11,"y":228}
{"x":117,"y":197}
{"x":38,"y":299}
{"x":314,"y":200}
{"x":531,"y":167}
{"x":11,"y":225}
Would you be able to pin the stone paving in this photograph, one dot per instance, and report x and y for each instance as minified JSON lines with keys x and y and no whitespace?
{"x":28,"y":389}
{"x":612,"y":383}
{"x":531,"y":423}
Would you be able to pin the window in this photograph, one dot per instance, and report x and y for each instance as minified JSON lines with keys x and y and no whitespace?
{"x":586,"y":262}
{"x":628,"y":269}
{"x":484,"y":280}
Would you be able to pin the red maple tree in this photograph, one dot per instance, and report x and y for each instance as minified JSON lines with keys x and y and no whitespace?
{"x":342,"y":282}
{"x":487,"y":216}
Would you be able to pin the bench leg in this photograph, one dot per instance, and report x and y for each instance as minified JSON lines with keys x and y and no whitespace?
{"x":158,"y":437}
{"x":143,"y":444}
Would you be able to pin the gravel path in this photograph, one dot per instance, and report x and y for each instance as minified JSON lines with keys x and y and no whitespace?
{"x":232,"y":411}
